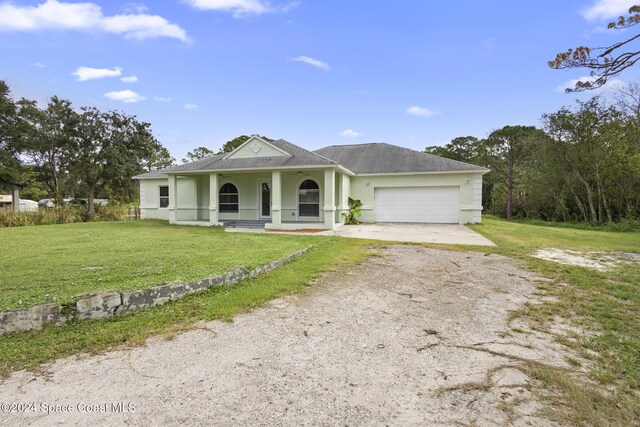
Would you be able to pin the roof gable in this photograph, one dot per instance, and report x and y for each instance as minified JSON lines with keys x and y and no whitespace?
{"x":256,"y":147}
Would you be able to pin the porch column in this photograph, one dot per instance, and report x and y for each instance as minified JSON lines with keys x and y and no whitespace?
{"x":345,"y":191}
{"x":276,"y":198}
{"x":329,"y":198}
{"x":173,"y":198}
{"x":213,"y":199}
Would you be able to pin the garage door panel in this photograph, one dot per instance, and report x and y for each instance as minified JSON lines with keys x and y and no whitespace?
{"x":417,"y":204}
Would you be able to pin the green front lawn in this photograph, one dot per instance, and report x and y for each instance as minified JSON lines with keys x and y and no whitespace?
{"x":60,"y":262}
{"x":607,"y":304}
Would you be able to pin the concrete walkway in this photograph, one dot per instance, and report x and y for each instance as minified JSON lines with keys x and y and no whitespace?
{"x":452,"y":234}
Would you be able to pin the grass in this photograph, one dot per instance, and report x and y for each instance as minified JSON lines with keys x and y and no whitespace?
{"x":624,"y":225}
{"x":60,"y":262}
{"x":516,"y":239}
{"x":29,"y":350}
{"x":607,"y":304}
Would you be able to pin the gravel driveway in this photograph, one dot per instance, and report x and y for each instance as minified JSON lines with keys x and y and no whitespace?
{"x":414,"y":336}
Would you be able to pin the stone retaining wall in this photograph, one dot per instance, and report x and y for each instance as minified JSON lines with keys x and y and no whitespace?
{"x":102,"y":306}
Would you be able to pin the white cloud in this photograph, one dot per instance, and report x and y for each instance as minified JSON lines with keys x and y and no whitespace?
{"x":161,"y":99}
{"x":313,"y":62}
{"x":129,"y":79}
{"x":127,"y":96}
{"x":87,"y":17}
{"x":87,"y":73}
{"x":39,"y":65}
{"x":237,"y":7}
{"x":615,"y":84}
{"x":135,"y":8}
{"x":191,"y":107}
{"x":350,"y":133}
{"x":611,"y":84}
{"x":241,"y":8}
{"x":420,"y":111}
{"x":607,"y":9}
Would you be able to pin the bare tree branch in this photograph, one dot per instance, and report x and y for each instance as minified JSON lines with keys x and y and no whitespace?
{"x":604,"y":62}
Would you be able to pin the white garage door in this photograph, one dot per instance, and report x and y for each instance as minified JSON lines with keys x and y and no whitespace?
{"x":418,"y":204}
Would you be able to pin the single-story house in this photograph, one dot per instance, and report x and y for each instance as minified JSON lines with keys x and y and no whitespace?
{"x":282,"y":186}
{"x":25,"y":205}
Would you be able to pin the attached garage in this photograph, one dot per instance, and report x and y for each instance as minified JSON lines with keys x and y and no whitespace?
{"x":417,"y":204}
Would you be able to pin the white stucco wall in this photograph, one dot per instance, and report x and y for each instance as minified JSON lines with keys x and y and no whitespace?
{"x":193,"y":194}
{"x":188,"y":192}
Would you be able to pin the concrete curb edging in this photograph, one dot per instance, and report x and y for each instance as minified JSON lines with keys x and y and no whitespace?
{"x":103,"y":306}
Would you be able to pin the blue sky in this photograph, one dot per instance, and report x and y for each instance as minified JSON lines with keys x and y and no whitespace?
{"x":411,"y":73}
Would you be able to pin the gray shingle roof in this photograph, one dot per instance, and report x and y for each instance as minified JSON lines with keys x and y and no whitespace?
{"x":195,"y":165}
{"x":387,"y":158}
{"x":358,"y":158}
{"x":151,"y":175}
{"x":298,"y":157}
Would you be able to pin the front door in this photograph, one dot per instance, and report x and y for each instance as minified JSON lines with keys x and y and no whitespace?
{"x":265,"y":199}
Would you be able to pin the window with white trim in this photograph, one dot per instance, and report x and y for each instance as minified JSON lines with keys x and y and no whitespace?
{"x":164,"y":196}
{"x":309,"y":199}
{"x":228,"y":198}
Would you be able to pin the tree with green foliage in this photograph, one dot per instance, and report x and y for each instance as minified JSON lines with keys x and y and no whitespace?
{"x":198,"y":154}
{"x":158,"y":158}
{"x":51,"y":132}
{"x":506,"y":151}
{"x":10,"y":165}
{"x":109,"y":150}
{"x":597,"y":147}
{"x":135,"y":144}
{"x":231,"y":145}
{"x":584,"y":166}
{"x":462,"y":148}
{"x":58,"y":151}
{"x":604,"y":63}
{"x":91,"y":152}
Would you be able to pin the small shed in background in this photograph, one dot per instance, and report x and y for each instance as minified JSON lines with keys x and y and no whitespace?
{"x":24,"y":206}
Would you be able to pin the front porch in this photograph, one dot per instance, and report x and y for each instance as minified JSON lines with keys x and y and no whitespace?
{"x":273,"y":200}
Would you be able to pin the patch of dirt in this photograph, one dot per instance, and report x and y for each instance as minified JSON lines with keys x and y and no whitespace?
{"x":633,"y":257}
{"x":416,"y":336}
{"x":600,"y":261}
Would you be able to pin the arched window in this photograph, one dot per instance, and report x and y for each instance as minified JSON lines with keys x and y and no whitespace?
{"x":228,"y":198}
{"x":309,"y":198}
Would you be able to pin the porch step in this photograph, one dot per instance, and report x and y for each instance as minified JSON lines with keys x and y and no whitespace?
{"x":244,"y":224}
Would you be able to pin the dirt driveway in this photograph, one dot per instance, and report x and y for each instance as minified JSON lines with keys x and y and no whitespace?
{"x":415,"y":336}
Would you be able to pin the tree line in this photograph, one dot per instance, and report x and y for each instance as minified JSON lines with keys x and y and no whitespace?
{"x":59,"y":150}
{"x":582,"y":165}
